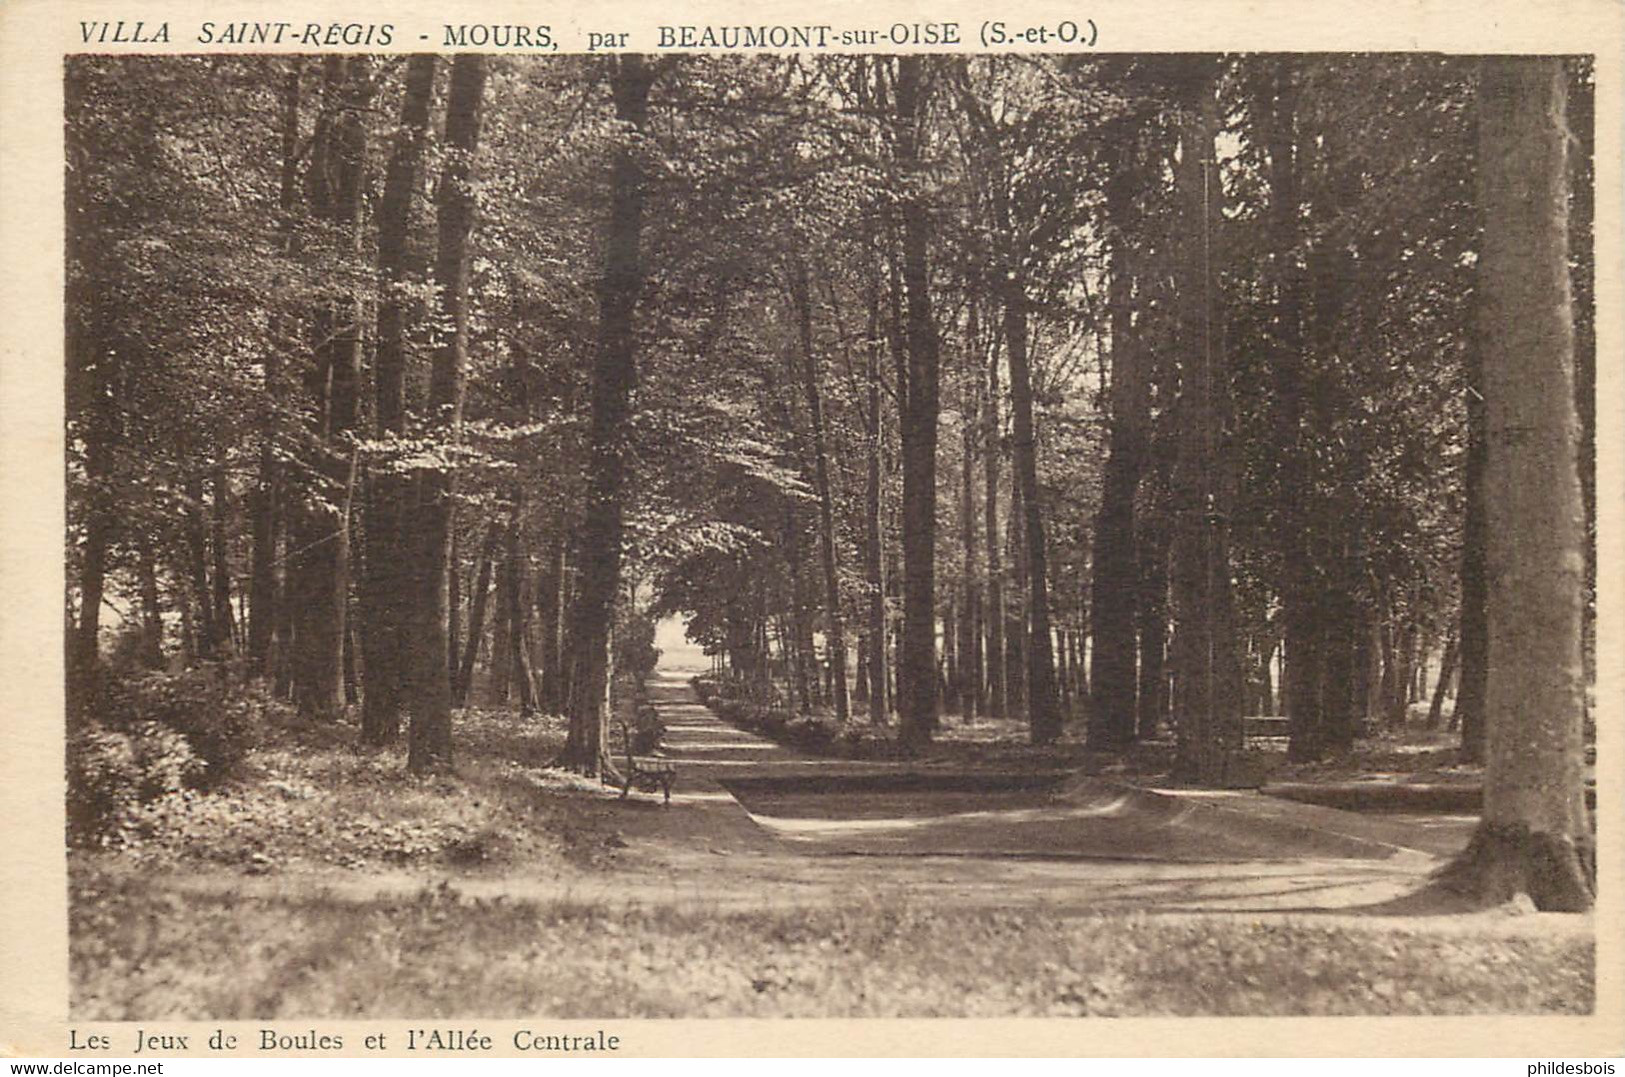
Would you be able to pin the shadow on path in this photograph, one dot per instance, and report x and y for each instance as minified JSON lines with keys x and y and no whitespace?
{"x":753,"y":824}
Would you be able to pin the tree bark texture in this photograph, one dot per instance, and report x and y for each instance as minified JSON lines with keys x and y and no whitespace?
{"x":1534,"y":836}
{"x":613,"y":374}
{"x":426,"y":646}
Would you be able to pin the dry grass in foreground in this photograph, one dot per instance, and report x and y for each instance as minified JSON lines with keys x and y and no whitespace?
{"x":139,"y":952}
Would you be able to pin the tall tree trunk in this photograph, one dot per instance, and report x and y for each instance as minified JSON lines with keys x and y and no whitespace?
{"x":476,"y":614}
{"x":1340,"y":642}
{"x":152,"y":613}
{"x":425,"y":650}
{"x":549,"y":610}
{"x":613,"y":373}
{"x":1447,"y":670}
{"x":997,"y":702}
{"x":220,"y":549}
{"x":1474,"y":627}
{"x":515,"y":611}
{"x":322,"y":542}
{"x":93,"y":354}
{"x":385,"y":587}
{"x":1115,"y":576}
{"x":1015,"y":609}
{"x":264,"y":643}
{"x":1207,"y":668}
{"x":1302,"y":617}
{"x":1534,"y":835}
{"x":1043,"y":711}
{"x":917,"y":663}
{"x":501,"y":664}
{"x":1153,"y":627}
{"x":197,"y":567}
{"x":873,"y":542}
{"x":970,"y":639}
{"x":834,"y":622}
{"x":454,"y":608}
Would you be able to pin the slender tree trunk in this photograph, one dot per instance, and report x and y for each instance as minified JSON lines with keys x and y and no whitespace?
{"x":517,"y":656}
{"x":970,"y":640}
{"x":1340,"y":641}
{"x":476,"y":614}
{"x":917,"y":665}
{"x":266,"y":504}
{"x":834,"y":622}
{"x":873,"y":543}
{"x":220,"y":549}
{"x":1447,"y":670}
{"x":426,"y":646}
{"x":454,"y":608}
{"x":1153,"y":628}
{"x":385,"y":588}
{"x":1043,"y":712}
{"x":549,"y":609}
{"x":1474,"y":627}
{"x":613,"y":373}
{"x":1015,"y":609}
{"x":321,"y":558}
{"x":501,"y":665}
{"x":1534,"y":836}
{"x":152,"y":613}
{"x":997,"y":702}
{"x":1303,"y":618}
{"x":197,"y":567}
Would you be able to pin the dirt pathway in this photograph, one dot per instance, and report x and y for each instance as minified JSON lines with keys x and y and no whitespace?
{"x":845,"y":833}
{"x":1076,"y":849}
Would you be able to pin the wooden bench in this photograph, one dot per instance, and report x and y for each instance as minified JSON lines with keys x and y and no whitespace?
{"x":647,"y":777}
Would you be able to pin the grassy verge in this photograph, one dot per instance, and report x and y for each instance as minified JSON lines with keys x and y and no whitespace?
{"x":313,"y":798}
{"x":141,"y":952}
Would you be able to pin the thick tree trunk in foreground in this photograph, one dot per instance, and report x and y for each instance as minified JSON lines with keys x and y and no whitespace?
{"x":425,"y":647}
{"x":614,"y":371}
{"x":1115,"y":576}
{"x":1207,"y":668}
{"x":917,"y":657}
{"x":1534,"y":836}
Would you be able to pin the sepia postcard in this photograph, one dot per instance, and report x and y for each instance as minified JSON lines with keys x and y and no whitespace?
{"x":811,"y":530}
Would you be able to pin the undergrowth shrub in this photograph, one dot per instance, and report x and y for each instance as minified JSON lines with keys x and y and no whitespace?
{"x":760,"y":710}
{"x":221,"y":712}
{"x":134,"y":738}
{"x":104,"y":783}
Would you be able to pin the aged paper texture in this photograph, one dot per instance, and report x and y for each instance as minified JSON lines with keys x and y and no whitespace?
{"x":48,"y":1008}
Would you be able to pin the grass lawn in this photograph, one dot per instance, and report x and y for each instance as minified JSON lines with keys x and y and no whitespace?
{"x":258,"y":901}
{"x":140,"y":952}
